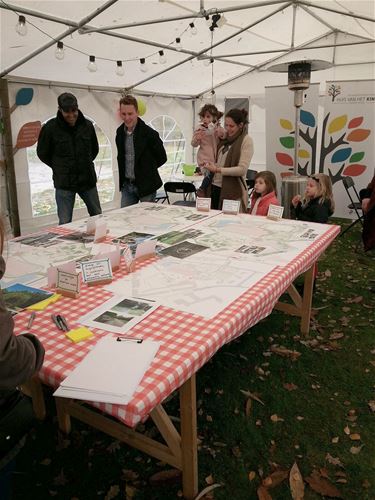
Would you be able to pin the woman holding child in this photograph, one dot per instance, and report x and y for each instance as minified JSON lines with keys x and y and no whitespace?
{"x":233,"y":158}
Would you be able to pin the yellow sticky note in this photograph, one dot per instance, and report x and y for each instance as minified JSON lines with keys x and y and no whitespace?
{"x":79,"y":334}
{"x":40,"y":306}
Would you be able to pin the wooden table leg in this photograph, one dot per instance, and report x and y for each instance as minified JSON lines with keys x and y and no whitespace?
{"x":33,"y":388}
{"x":307,"y":300}
{"x":63,"y":416}
{"x":189,"y":448}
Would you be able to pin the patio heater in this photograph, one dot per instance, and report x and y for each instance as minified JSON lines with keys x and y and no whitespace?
{"x":298,"y":81}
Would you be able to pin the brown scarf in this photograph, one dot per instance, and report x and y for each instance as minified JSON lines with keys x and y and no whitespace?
{"x":232,"y":187}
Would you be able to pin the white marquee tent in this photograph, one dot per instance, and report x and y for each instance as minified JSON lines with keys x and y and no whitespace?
{"x":233,"y":59}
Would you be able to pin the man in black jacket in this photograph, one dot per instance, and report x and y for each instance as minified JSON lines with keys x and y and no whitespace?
{"x":68,"y":144}
{"x":140,"y":152}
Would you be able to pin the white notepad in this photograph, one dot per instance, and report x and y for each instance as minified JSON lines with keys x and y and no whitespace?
{"x":111,"y":372}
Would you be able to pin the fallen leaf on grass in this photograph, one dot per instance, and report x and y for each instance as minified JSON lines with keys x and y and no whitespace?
{"x":287,"y":353}
{"x":355,"y":300}
{"x":275,"y":478}
{"x":322,"y":486}
{"x":335,"y":440}
{"x":333,"y":460}
{"x":355,"y":437}
{"x":263,"y":493}
{"x":113,"y":491}
{"x":336,"y":336}
{"x":252,"y":475}
{"x":170,"y":475}
{"x":130,"y":492}
{"x":297,"y":486}
{"x":354,"y":450}
{"x":236,"y":451}
{"x":252,"y":396}
{"x":275,"y":418}
{"x":209,"y":479}
{"x":248,"y":407}
{"x":290,"y":386}
{"x":371,"y":405}
{"x":207,"y":490}
{"x":347,"y":430}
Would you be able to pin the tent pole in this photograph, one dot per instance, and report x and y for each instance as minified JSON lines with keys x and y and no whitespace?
{"x":29,"y":12}
{"x":10,"y":175}
{"x":335,"y":11}
{"x":58,"y":38}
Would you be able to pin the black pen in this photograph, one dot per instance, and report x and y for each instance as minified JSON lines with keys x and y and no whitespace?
{"x":54,"y":319}
{"x":62,"y":323}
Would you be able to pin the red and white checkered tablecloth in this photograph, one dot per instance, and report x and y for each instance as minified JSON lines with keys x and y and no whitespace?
{"x":187,"y":341}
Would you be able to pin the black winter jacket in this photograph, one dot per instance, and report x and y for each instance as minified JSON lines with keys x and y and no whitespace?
{"x":70,"y":152}
{"x":312,"y":211}
{"x":149,"y":156}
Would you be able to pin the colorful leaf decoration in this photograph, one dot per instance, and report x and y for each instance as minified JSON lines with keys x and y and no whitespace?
{"x":341,"y":155}
{"x":358,"y":135}
{"x":354,"y":170}
{"x":28,"y":134}
{"x":355,"y":122}
{"x":302,"y":153}
{"x":307,"y":118}
{"x":285,"y":159}
{"x":357,"y":157}
{"x":286,"y":124}
{"x":287,"y":142}
{"x":337,"y":124}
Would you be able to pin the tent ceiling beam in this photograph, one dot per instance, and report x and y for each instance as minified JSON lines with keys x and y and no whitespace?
{"x":66,"y":33}
{"x":335,"y":11}
{"x":293,"y":25}
{"x":193,"y":15}
{"x":326,"y":46}
{"x":284,"y":6}
{"x":33,"y":13}
{"x":318,"y":18}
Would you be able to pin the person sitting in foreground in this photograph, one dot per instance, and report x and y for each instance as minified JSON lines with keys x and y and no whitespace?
{"x":367,"y":196}
{"x":317,"y":204}
{"x":20,"y":358}
{"x":264,"y":193}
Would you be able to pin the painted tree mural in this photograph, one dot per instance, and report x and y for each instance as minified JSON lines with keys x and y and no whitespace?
{"x":308,"y":133}
{"x":341,"y":152}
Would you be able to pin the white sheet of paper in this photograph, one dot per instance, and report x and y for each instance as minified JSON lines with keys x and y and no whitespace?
{"x":146,"y":247}
{"x":111,"y":371}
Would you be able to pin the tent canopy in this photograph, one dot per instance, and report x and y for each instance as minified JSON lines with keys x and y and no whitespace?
{"x":251,"y":36}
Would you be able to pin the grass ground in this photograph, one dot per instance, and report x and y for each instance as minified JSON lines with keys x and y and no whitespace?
{"x":317,"y":409}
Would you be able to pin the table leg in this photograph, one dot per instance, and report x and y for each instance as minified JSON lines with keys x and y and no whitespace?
{"x":33,"y":388}
{"x":189,"y":448}
{"x":63,"y":416}
{"x":307,"y":300}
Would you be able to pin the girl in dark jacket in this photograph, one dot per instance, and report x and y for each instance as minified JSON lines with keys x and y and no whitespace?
{"x":317,"y":204}
{"x":368,"y":206}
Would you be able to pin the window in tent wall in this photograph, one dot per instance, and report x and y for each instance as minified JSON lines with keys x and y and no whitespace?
{"x":41,"y":185}
{"x":174,"y":143}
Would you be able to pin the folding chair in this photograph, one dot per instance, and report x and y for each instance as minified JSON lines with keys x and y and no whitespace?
{"x":355,"y":202}
{"x":187,"y":189}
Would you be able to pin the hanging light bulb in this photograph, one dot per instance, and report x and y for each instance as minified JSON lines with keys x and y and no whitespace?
{"x":144,"y":67}
{"x":60,"y":52}
{"x":208,"y":20}
{"x":178,"y":43}
{"x":120,"y":69}
{"x":21,"y":27}
{"x":162,"y":58}
{"x":193,"y":30}
{"x":92,"y":67}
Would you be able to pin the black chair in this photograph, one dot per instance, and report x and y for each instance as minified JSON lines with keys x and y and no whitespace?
{"x":355,"y":202}
{"x":187,"y":189}
{"x":250,"y":180}
{"x":160,"y":196}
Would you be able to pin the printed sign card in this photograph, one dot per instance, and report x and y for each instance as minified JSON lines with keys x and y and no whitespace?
{"x":100,"y":231}
{"x":275,"y":212}
{"x":203,"y":204}
{"x":113,"y":254}
{"x":70,"y":267}
{"x":231,"y":207}
{"x":145,"y":249}
{"x":68,"y":284}
{"x":97,"y":272}
{"x":91,"y":224}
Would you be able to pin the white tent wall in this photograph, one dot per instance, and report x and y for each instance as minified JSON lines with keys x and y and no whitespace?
{"x":101,"y":107}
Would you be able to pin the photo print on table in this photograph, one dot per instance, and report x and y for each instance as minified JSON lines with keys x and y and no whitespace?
{"x":183,"y":250}
{"x":132,"y":239}
{"x":19,"y":296}
{"x":39,"y":240}
{"x":174,"y":237}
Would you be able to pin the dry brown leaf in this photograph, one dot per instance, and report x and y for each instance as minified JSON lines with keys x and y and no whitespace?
{"x":275,"y":418}
{"x":355,"y":300}
{"x":209,"y":479}
{"x":355,"y":437}
{"x":335,"y":440}
{"x":323,"y":472}
{"x":236,"y":451}
{"x":347,"y":430}
{"x":327,"y":273}
{"x":340,"y":473}
{"x":252,"y":396}
{"x":341,"y":480}
{"x":354,"y":450}
{"x":252,"y":475}
{"x":248,"y":407}
{"x":287,"y":353}
{"x":333,"y":460}
{"x":371,"y":405}
{"x":113,"y":491}
{"x":290,"y":386}
{"x":322,"y":486}
{"x":263,"y":493}
{"x":297,"y":486}
{"x":207,"y":490}
{"x":169,"y":475}
{"x":130,"y":492}
{"x":336,"y":336}
{"x":275,"y":478}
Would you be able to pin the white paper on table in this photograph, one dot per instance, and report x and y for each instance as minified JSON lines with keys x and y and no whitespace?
{"x":119,"y":314}
{"x":111,"y":371}
{"x":146,"y":247}
{"x":69,"y":267}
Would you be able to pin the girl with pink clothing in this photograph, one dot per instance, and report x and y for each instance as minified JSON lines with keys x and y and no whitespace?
{"x":206,"y":138}
{"x":264,"y":193}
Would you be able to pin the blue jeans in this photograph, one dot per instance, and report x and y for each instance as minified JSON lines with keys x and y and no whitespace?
{"x":65,"y":203}
{"x":130,"y":195}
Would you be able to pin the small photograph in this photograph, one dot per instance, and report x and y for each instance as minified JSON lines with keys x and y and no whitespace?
{"x":196,"y":217}
{"x":132,"y":307}
{"x":112,"y":318}
{"x":132,"y":239}
{"x":183,"y":250}
{"x":78,"y":237}
{"x":19,"y":296}
{"x":156,"y":208}
{"x":174,"y":237}
{"x":250,"y":249}
{"x":309,"y":234}
{"x":39,"y":240}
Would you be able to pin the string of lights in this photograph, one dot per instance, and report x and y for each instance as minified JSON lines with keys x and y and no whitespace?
{"x":215,"y":21}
